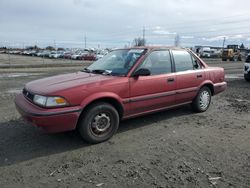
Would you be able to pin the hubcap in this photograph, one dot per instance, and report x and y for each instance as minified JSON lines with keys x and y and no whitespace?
{"x":100,"y":123}
{"x":204,"y":99}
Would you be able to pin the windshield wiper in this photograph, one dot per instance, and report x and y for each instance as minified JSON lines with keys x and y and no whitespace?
{"x":98,"y":71}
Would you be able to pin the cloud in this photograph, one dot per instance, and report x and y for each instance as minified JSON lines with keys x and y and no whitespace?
{"x":187,"y":37}
{"x":217,"y":38}
{"x":106,"y":22}
{"x":160,"y":31}
{"x":236,"y":37}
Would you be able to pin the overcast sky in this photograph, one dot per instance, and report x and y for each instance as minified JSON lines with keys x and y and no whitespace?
{"x":116,"y":23}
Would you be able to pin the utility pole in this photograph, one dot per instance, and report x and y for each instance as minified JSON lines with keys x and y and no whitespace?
{"x":177,"y":40}
{"x":55,"y":45}
{"x":143,"y":35}
{"x":224,"y":40}
{"x":85,"y":41}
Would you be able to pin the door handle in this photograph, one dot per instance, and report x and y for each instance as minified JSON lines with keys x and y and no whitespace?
{"x":170,"y":79}
{"x":199,"y":76}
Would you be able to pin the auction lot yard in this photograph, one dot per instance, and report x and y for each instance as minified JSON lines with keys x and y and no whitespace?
{"x":174,"y":148}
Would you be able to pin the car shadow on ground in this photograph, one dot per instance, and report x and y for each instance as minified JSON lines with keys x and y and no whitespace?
{"x":20,"y":141}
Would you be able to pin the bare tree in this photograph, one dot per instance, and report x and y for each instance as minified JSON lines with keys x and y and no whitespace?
{"x":139,"y":41}
{"x":242,"y":46}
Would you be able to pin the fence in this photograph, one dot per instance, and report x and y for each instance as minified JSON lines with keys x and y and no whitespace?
{"x":11,"y":60}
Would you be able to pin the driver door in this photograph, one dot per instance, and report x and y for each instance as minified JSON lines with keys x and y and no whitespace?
{"x":156,"y":91}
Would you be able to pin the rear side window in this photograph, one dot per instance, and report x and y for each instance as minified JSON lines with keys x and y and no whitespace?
{"x":183,"y":60}
{"x":158,"y":62}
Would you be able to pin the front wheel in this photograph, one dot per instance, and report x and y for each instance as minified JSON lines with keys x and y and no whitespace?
{"x":202,"y":101}
{"x":99,"y":123}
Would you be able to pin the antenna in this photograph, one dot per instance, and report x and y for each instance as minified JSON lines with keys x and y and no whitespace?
{"x":85,"y":41}
{"x":143,"y":35}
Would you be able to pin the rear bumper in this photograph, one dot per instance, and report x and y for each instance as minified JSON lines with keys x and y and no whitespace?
{"x":247,"y":70}
{"x":219,"y":87}
{"x":51,"y":120}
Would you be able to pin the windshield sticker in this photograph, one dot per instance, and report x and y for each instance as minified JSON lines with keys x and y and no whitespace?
{"x":136,"y":51}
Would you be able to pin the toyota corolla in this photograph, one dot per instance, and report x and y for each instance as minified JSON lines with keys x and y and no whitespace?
{"x":123,"y":84}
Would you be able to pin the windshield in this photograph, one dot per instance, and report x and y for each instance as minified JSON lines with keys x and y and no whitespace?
{"x":117,"y":63}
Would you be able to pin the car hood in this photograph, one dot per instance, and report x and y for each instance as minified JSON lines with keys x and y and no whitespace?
{"x":50,"y":85}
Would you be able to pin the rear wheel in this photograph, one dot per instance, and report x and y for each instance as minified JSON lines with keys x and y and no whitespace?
{"x":202,"y":101}
{"x":99,"y":123}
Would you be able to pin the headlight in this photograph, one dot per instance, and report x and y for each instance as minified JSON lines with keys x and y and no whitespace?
{"x":40,"y":100}
{"x":49,"y":101}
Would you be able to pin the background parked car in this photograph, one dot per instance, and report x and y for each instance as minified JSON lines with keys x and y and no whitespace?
{"x":56,"y":54}
{"x":89,"y":57}
{"x":247,"y":69}
{"x":78,"y":55}
{"x":67,"y":55}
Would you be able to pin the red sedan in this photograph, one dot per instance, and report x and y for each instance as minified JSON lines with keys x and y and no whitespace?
{"x":123,"y":84}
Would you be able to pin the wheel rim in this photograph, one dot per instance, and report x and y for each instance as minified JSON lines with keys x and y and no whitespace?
{"x":100,"y":124}
{"x":204,"y":100}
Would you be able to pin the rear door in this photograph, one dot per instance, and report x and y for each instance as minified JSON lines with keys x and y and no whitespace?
{"x":189,"y":75}
{"x":156,"y":91}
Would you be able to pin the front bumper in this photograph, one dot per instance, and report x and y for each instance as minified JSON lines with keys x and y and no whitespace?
{"x":247,"y":75}
{"x":247,"y":70}
{"x":51,"y":120}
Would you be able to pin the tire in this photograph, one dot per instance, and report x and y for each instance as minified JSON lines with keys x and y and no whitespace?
{"x":247,"y":79}
{"x":202,"y":101}
{"x":224,"y":59}
{"x":99,"y":123}
{"x":235,"y":58}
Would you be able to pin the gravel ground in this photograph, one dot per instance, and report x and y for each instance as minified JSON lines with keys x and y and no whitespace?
{"x":174,"y":148}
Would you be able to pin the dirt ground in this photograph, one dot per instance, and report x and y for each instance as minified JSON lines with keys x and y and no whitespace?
{"x":174,"y":148}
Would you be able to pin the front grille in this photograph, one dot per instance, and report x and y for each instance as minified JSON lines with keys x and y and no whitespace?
{"x":28,"y":95}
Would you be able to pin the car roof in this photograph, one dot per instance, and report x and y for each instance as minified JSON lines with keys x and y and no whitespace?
{"x":155,"y":48}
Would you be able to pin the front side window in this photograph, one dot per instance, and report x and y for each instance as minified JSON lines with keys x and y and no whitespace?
{"x":183,"y":60}
{"x":158,"y":62}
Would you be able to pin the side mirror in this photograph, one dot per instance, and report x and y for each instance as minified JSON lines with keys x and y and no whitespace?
{"x":142,"y":72}
{"x":196,"y":65}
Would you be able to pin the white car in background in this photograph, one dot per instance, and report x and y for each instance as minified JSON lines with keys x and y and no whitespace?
{"x":78,"y":55}
{"x":205,"y":52}
{"x":247,"y":68}
{"x":56,"y":54}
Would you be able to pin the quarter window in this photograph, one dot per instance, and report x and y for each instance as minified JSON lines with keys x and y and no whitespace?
{"x":183,"y":60}
{"x":158,"y":62}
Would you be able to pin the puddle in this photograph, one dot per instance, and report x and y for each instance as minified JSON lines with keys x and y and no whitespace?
{"x":14,"y":91}
{"x":16,"y":75}
{"x":242,"y":100}
{"x":234,"y":76}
